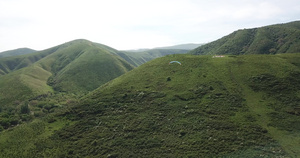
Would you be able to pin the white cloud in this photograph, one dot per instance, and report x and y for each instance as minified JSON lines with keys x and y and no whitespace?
{"x":133,"y":23}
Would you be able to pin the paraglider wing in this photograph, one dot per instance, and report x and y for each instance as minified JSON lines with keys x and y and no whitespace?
{"x":175,"y":62}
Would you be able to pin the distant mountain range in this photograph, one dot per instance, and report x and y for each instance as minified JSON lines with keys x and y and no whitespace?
{"x":188,"y":46}
{"x":139,"y":58}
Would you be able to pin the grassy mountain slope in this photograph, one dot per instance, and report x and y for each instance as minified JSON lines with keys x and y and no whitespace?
{"x":12,"y":63}
{"x":20,"y":51}
{"x":139,"y":58}
{"x":22,"y":78}
{"x":236,"y":106}
{"x":77,"y":66}
{"x":83,"y":66}
{"x":23,"y":84}
{"x":9,"y":64}
{"x":280,"y":38}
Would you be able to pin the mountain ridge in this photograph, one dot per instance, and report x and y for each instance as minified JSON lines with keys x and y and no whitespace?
{"x":272,"y":39}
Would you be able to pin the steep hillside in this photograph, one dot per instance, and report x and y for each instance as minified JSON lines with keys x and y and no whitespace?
{"x":274,"y":39}
{"x":234,"y":106}
{"x":23,"y":83}
{"x":139,"y":58}
{"x":76,"y":67}
{"x":82,"y":66}
{"x":15,"y":52}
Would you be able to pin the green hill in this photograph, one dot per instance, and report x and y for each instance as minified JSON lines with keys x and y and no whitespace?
{"x":12,"y":63}
{"x":23,"y":84}
{"x":15,"y":52}
{"x":82,"y":66}
{"x":235,"y":106}
{"x":22,"y":78}
{"x":274,"y":39}
{"x":76,"y":67}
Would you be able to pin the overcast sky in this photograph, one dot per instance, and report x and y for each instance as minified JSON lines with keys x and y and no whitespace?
{"x":132,"y":24}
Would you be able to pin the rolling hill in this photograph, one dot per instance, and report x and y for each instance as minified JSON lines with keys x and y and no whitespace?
{"x":273,"y":39}
{"x":234,"y":106}
{"x":75,"y":67}
{"x":82,"y":65}
{"x":15,"y":52}
{"x":12,"y":63}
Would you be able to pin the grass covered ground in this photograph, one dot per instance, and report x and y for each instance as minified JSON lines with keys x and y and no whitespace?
{"x":235,"y":106}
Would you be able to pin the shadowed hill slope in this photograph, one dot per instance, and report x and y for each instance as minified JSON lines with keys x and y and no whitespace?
{"x":273,"y":39}
{"x":235,"y":106}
